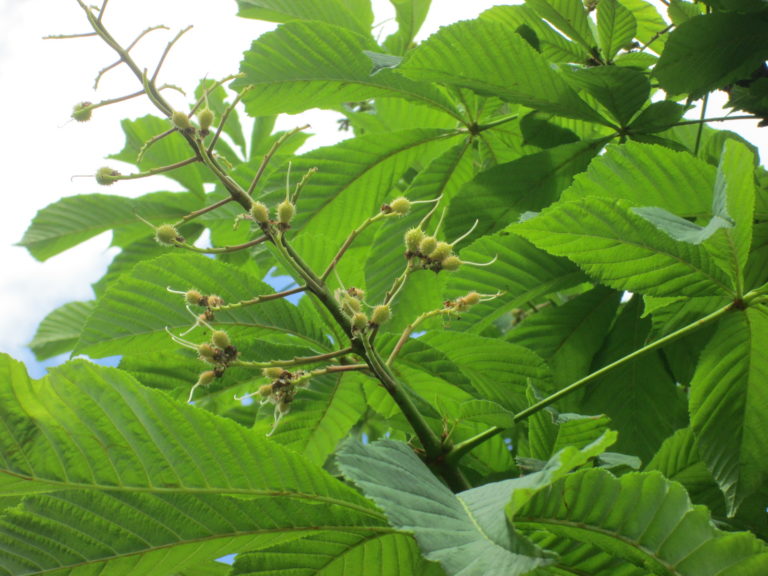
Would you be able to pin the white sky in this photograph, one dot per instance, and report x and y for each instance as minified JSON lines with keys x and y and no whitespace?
{"x":40,"y":149}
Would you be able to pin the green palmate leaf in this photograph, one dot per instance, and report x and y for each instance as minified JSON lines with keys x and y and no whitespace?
{"x":75,"y":219}
{"x":352,"y":14}
{"x":710,"y":51}
{"x":59,"y":331}
{"x":320,"y":417}
{"x":304,"y":65}
{"x":495,"y":370}
{"x":499,"y":195}
{"x":88,"y":427}
{"x":137,"y":308}
{"x":568,"y":16}
{"x":86,"y":532}
{"x":340,"y":554}
{"x":169,"y":150}
{"x":681,"y":11}
{"x":728,"y":404}
{"x":679,"y":228}
{"x":651,"y":26}
{"x":537,"y":130}
{"x":354,"y":179}
{"x":520,"y":275}
{"x":640,"y":387}
{"x":640,"y":520}
{"x":616,"y":27}
{"x":482,"y":55}
{"x":734,"y":200}
{"x":487,"y":412}
{"x":465,"y":533}
{"x":678,"y":460}
{"x":550,"y":432}
{"x":649,"y":175}
{"x":624,"y":251}
{"x":542,"y":38}
{"x":568,"y":336}
{"x":621,"y":91}
{"x":657,"y":117}
{"x":410,"y":15}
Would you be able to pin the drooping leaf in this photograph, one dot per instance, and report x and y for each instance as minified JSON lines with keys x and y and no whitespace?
{"x":495,"y":370}
{"x":640,"y":396}
{"x":59,"y":331}
{"x":499,"y":195}
{"x":616,"y":27}
{"x":568,"y":16}
{"x":681,"y":11}
{"x":410,"y":15}
{"x":458,"y":55}
{"x":658,"y":116}
{"x":679,"y":228}
{"x":137,"y":308}
{"x":624,"y":251}
{"x":540,"y":36}
{"x":304,"y":65}
{"x":650,"y":24}
{"x":710,"y":51}
{"x":568,"y":336}
{"x":649,"y":175}
{"x":86,"y":427}
{"x":465,"y":533}
{"x":734,"y":200}
{"x":354,"y":15}
{"x":75,"y":219}
{"x":340,"y":554}
{"x":86,"y":532}
{"x":728,"y":404}
{"x":620,"y":90}
{"x":640,"y":519}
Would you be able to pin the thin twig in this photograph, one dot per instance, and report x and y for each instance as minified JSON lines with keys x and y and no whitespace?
{"x":166,"y":51}
{"x":201,"y":211}
{"x":268,"y":156}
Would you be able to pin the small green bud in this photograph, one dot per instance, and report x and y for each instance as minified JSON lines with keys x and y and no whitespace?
{"x":205,"y":118}
{"x":273,"y":372}
{"x":167,"y":235}
{"x":206,"y":378}
{"x":466,"y":302}
{"x":413,"y":239}
{"x":214,"y":301}
{"x":350,"y":304}
{"x":193,"y":297}
{"x":206,"y":353}
{"x":220,"y":339}
{"x":428,"y":245}
{"x":400,"y":206}
{"x":181,"y":120}
{"x":359,"y":322}
{"x":441,"y":252}
{"x":381,"y":315}
{"x":285,"y":212}
{"x":106,"y":176}
{"x":260,"y":212}
{"x":82,"y":111}
{"x":265,"y":391}
{"x":451,"y":263}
